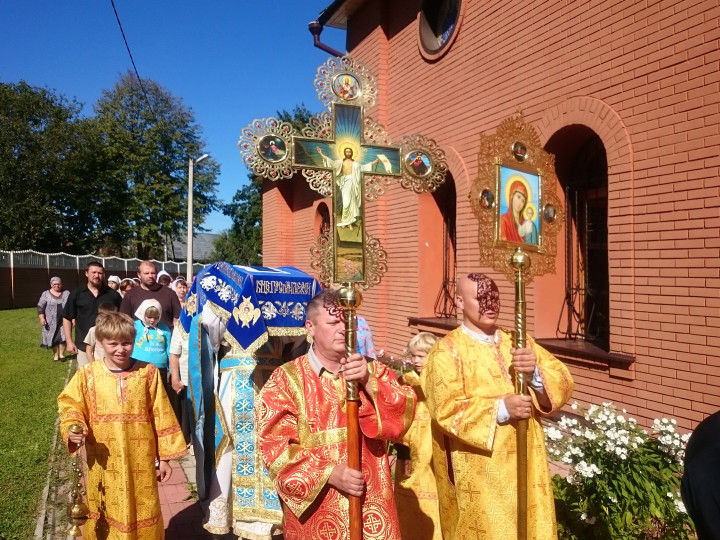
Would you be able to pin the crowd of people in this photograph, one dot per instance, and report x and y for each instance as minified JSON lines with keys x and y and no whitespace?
{"x":446,"y":429}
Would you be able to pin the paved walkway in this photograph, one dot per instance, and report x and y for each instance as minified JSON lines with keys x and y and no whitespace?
{"x":181,"y":511}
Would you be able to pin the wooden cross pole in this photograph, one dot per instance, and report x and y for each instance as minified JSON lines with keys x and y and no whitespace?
{"x":349,"y":159}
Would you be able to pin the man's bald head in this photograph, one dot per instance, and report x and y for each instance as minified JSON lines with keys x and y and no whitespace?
{"x":325,"y":301}
{"x":146,"y":264}
{"x":465,"y":286}
{"x":325,"y":323}
{"x":477,"y":295}
{"x":147,"y":272}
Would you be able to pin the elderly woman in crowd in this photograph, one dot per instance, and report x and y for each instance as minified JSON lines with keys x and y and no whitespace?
{"x":163,"y":278}
{"x":125,"y":285}
{"x":114,"y":282}
{"x":50,"y":311}
{"x":180,"y":287}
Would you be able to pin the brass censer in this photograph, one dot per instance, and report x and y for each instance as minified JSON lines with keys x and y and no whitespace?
{"x":78,"y":510}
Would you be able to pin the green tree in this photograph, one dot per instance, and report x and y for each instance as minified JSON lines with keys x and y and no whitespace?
{"x":148,"y":135}
{"x":242,"y":243}
{"x":46,"y":159}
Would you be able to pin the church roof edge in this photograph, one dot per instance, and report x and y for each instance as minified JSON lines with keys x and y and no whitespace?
{"x":336,"y":15}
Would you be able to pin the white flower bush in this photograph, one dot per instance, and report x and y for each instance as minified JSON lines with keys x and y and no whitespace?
{"x":623,"y":482}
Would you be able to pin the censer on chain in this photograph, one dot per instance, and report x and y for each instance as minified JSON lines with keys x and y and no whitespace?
{"x":78,"y":510}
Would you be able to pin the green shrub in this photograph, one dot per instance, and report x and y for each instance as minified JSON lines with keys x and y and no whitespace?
{"x":623,"y":482}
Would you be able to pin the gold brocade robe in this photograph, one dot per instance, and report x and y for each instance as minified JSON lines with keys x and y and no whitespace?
{"x":474,"y":457}
{"x":302,"y":433}
{"x":416,"y":496}
{"x":124,"y":414}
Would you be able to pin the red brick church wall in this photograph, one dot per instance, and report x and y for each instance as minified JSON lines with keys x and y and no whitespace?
{"x":644,"y":77}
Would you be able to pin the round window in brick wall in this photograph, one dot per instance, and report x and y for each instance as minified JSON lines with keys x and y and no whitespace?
{"x":438,"y":26}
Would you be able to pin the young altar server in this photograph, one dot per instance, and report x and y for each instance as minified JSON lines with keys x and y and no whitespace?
{"x":302,"y":433}
{"x":415,"y":492}
{"x":468,"y":384}
{"x":130,"y":433}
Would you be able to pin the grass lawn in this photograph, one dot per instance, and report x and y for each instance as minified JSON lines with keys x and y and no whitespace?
{"x":29,"y":385}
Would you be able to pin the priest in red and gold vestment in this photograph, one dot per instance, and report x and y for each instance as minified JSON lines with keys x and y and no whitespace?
{"x":468,"y":384}
{"x":302,"y":433}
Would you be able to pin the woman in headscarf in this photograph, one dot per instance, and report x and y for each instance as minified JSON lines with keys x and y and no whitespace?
{"x":511,"y":220}
{"x":125,"y":285}
{"x":180,"y":287}
{"x":50,"y":311}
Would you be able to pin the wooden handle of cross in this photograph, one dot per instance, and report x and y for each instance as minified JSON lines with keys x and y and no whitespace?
{"x":350,"y":300}
{"x":520,"y":262}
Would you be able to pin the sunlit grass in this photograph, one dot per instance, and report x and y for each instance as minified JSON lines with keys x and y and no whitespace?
{"x":29,"y":385}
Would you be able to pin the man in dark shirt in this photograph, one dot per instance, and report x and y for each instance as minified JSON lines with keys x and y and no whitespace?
{"x":150,"y":289}
{"x":82,"y":305}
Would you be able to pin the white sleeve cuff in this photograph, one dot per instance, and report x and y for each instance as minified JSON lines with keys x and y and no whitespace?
{"x":502,"y":415}
{"x":536,"y":383}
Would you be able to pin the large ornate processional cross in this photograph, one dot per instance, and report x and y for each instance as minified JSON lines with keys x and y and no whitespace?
{"x":346,"y":155}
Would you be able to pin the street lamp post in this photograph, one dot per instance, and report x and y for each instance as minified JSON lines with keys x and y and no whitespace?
{"x":191,"y":167}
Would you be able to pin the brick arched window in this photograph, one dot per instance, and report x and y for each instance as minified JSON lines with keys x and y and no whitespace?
{"x":581,"y":166}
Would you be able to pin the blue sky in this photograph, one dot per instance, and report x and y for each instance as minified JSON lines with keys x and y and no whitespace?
{"x":231,"y":61}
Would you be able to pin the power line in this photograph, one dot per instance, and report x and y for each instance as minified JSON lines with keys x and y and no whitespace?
{"x":132,"y":60}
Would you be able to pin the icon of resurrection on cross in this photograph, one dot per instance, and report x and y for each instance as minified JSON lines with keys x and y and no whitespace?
{"x":349,"y":159}
{"x":346,"y":155}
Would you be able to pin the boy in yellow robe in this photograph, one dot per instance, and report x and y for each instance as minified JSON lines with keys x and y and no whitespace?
{"x":468,"y":384}
{"x":416,"y":496}
{"x":130,"y":434}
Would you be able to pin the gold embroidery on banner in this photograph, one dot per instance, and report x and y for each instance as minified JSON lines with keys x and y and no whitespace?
{"x":258,"y":482}
{"x":246,"y":312}
{"x":238,"y":350}
{"x":191,"y":305}
{"x":285,"y":331}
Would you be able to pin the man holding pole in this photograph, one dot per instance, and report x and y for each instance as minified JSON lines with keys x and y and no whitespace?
{"x":468,"y":383}
{"x":302,"y":427}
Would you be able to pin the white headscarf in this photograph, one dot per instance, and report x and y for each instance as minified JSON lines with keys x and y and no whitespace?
{"x":162,"y":273}
{"x":143,"y":307}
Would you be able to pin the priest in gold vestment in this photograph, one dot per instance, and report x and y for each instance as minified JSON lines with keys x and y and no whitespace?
{"x":416,"y":496}
{"x":302,"y":434}
{"x":470,"y":394}
{"x":128,"y":424}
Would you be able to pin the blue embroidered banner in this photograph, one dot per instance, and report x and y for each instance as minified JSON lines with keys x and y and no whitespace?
{"x":256,"y":303}
{"x":254,"y":300}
